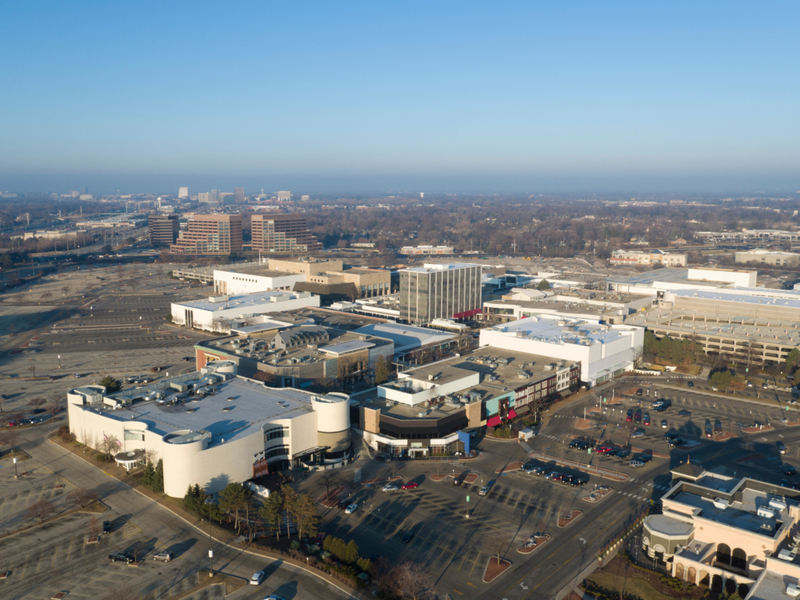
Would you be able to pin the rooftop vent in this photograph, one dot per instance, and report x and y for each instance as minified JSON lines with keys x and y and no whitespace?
{"x":227,"y":409}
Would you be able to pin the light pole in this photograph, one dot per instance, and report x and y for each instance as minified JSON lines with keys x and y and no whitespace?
{"x":210,"y":542}
{"x":16,"y":476}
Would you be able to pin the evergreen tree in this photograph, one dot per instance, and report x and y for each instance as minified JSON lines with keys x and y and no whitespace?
{"x":381,"y":370}
{"x":158,"y":478}
{"x":148,"y":475}
{"x":351,"y":552}
{"x":272,"y":512}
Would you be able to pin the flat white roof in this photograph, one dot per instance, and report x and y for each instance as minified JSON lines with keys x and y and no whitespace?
{"x":346,"y":347}
{"x":252,"y":406}
{"x":243,"y":301}
{"x":406,"y":337}
{"x":573,"y":331}
{"x":435,"y":267}
{"x":732,"y":296}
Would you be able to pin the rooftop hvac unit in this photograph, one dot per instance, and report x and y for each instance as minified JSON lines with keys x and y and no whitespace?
{"x":777,"y":503}
{"x":763,"y":511}
{"x":792,"y":590}
{"x":721,"y":503}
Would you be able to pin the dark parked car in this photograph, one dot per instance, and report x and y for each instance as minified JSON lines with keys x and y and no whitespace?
{"x":407,"y":537}
{"x":106,"y":526}
{"x":120,"y":557}
{"x":690,"y":384}
{"x":343,"y":503}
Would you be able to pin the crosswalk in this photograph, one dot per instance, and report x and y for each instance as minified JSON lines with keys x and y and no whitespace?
{"x":629,"y":495}
{"x":525,"y":447}
{"x":566,"y":416}
{"x":357,"y":475}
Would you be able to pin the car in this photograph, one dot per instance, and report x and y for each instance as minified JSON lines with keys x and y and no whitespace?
{"x":457,"y":481}
{"x":568,"y":480}
{"x":749,"y":384}
{"x":684,"y":413}
{"x":575,"y":444}
{"x":407,"y":537}
{"x":662,"y":408}
{"x":484,"y":490}
{"x":106,"y":526}
{"x":187,"y":358}
{"x":274,"y":597}
{"x":789,"y":470}
{"x":657,"y":403}
{"x":120,"y":557}
{"x":639,"y":392}
{"x":645,"y":458}
{"x":351,"y":508}
{"x":670,"y":435}
{"x":646,"y":418}
{"x":164,"y":556}
{"x":257,"y":578}
{"x":637,"y":416}
{"x":637,"y":434}
{"x":796,"y":485}
{"x":717,"y":426}
{"x":781,"y":447}
{"x":390,"y":487}
{"x":78,"y":375}
{"x":675,"y":442}
{"x":411,"y":485}
{"x":784,"y":483}
{"x":528,"y":466}
{"x":603,"y":449}
{"x":636,"y":463}
{"x":629,"y":415}
{"x":690,"y":384}
{"x":623,"y":453}
{"x":530,"y":470}
{"x":343,"y":503}
{"x":664,"y":424}
{"x":764,"y":386}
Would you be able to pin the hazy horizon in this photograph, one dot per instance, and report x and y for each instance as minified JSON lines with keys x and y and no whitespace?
{"x":444,"y":97}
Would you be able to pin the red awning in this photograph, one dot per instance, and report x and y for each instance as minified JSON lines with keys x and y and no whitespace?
{"x":467,"y":314}
{"x":494,"y":421}
{"x":512,"y":414}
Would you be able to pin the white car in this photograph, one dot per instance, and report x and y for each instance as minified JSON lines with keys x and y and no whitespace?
{"x":637,"y":463}
{"x":637,"y":434}
{"x":351,"y":509}
{"x":257,"y":578}
{"x":390,"y":487}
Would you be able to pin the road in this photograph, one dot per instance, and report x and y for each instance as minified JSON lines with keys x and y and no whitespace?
{"x":59,"y":557}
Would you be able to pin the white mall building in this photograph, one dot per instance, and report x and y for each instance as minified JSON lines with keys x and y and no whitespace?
{"x":212,"y":427}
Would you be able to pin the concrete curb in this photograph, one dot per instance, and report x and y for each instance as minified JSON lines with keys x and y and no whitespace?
{"x":194,"y":526}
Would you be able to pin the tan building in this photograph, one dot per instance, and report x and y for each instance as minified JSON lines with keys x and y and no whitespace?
{"x":163,"y":229}
{"x":768,"y":257}
{"x":723,"y":532}
{"x":210,"y":234}
{"x":306,"y":266}
{"x":282,"y":232}
{"x":645,"y":258}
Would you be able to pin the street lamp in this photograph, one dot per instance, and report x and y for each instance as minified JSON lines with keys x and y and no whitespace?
{"x":210,"y":543}
{"x":16,"y":476}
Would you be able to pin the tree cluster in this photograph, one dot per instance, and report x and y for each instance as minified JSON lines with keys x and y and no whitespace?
{"x":153,"y":476}
{"x":112,"y":385}
{"x":670,"y":351}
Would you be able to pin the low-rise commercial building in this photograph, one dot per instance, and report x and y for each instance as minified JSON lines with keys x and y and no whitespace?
{"x":426,"y":250}
{"x":603,"y":350}
{"x":733,"y":534}
{"x":213,"y":314}
{"x":212,"y":427}
{"x":252,"y":279}
{"x":647,"y":258}
{"x":299,"y":355}
{"x":768,"y":257}
{"x":427,"y":410}
{"x":659,"y":281}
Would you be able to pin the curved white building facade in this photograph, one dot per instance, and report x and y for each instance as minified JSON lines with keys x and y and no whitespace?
{"x":213,"y":428}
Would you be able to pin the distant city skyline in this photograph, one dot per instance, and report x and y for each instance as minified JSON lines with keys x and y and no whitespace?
{"x":370,"y":98}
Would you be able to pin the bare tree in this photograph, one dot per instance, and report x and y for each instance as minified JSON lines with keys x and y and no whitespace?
{"x":411,"y":581}
{"x":37,"y":403}
{"x":11,"y":438}
{"x":329,"y":479}
{"x":46,"y":296}
{"x":82,"y":497}
{"x":93,"y":527}
{"x":108,"y":445}
{"x":40,"y":510}
{"x":65,"y":289}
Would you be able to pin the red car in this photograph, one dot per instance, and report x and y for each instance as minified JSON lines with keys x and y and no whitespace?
{"x":603,"y":450}
{"x":409,"y":486}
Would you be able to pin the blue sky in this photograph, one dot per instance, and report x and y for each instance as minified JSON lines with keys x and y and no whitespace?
{"x":349,"y":96}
